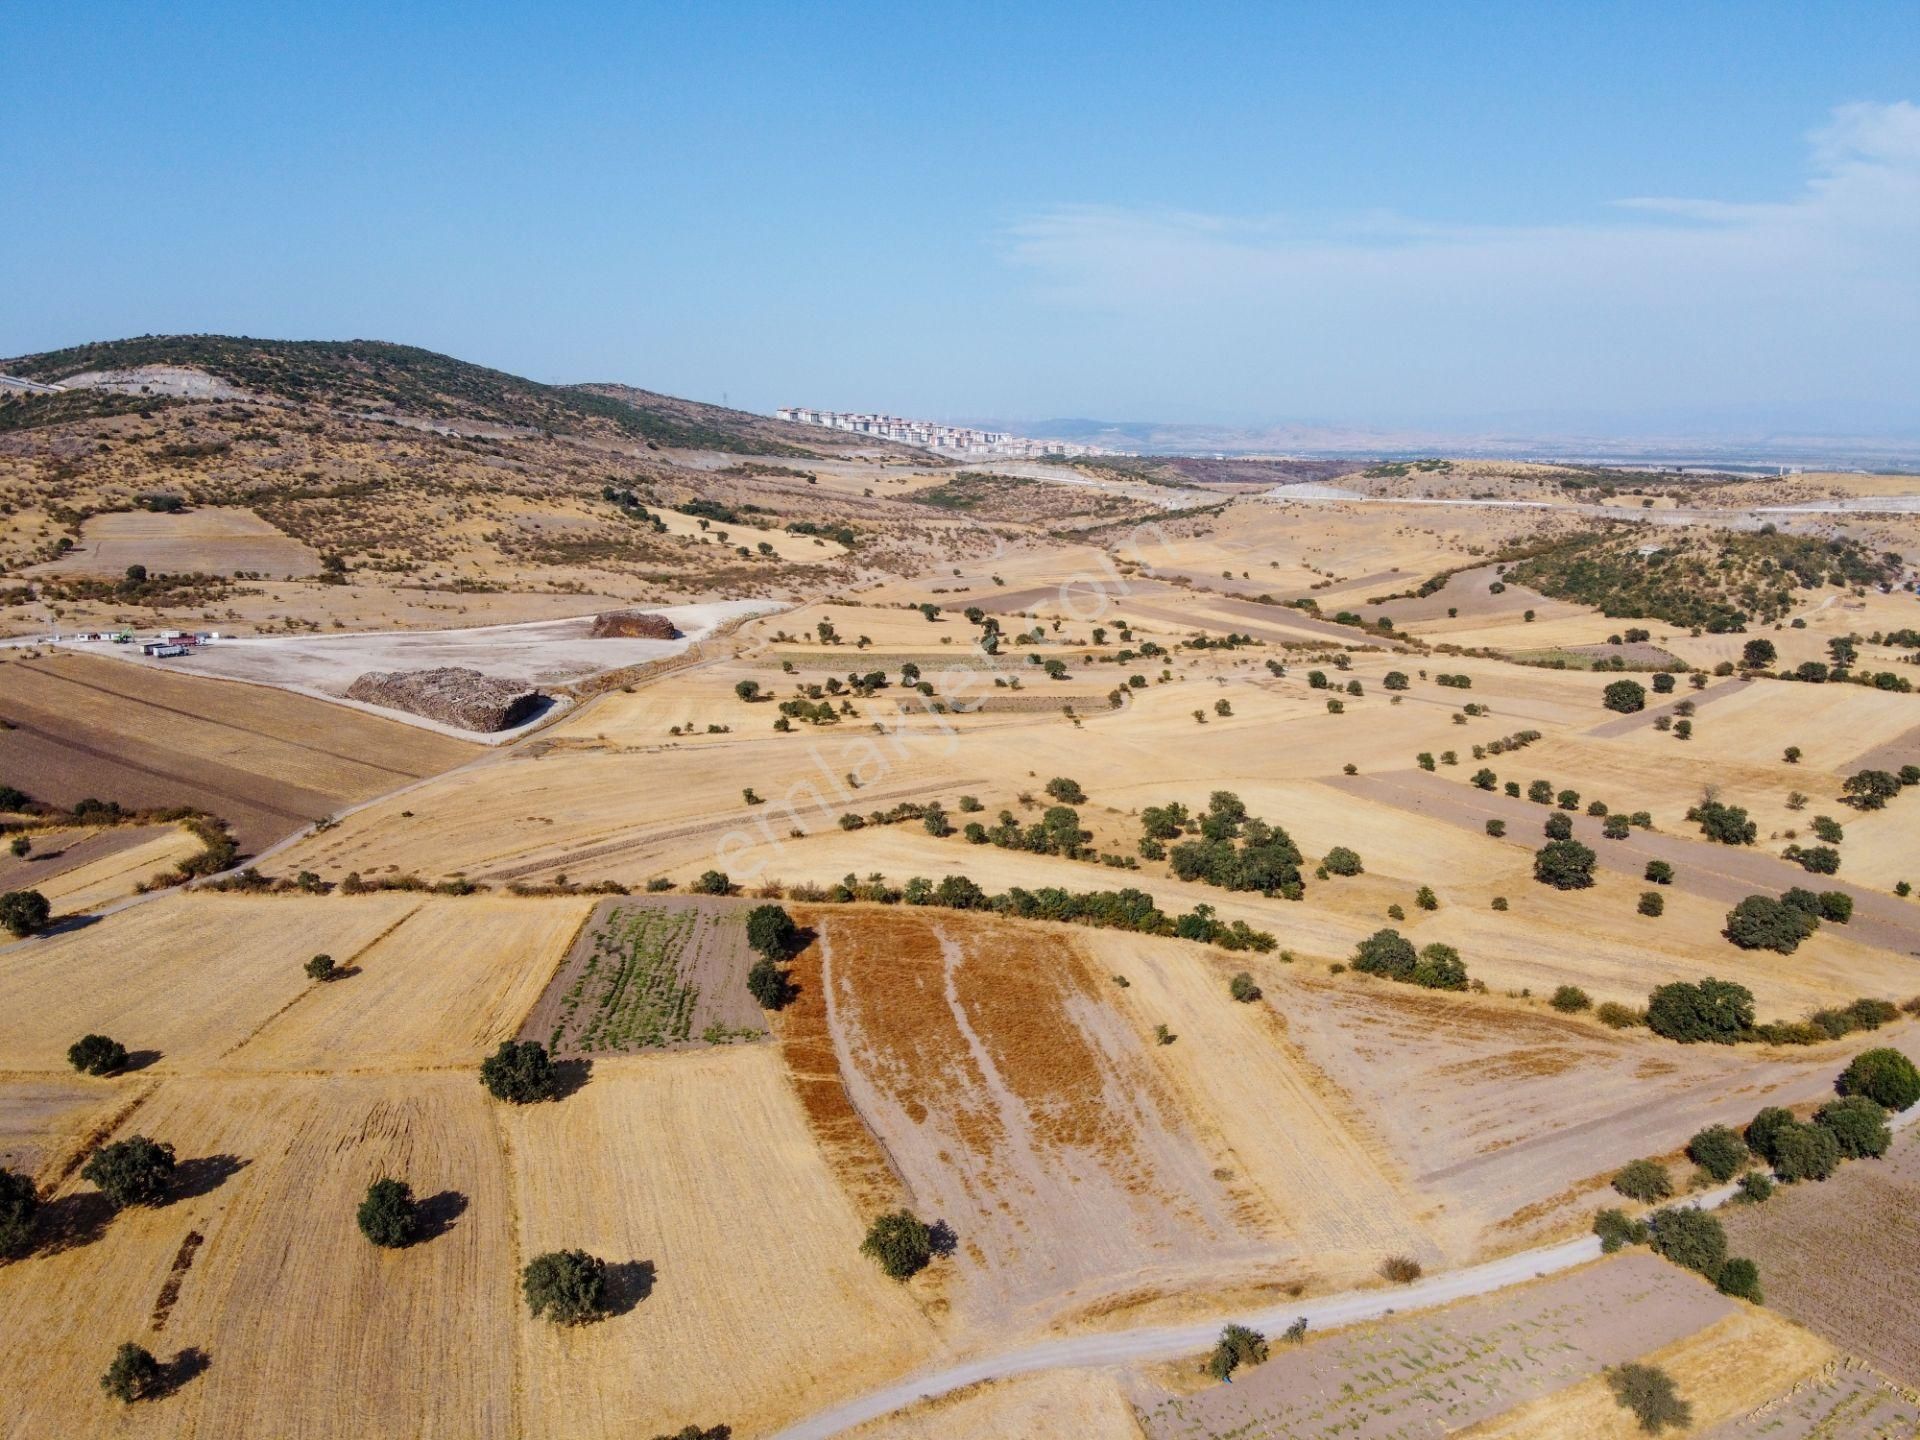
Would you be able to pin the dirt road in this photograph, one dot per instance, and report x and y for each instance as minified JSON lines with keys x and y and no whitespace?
{"x":1163,"y":1342}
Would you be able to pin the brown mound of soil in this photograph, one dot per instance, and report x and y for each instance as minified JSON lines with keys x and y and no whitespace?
{"x":633,"y":625}
{"x":454,"y":695}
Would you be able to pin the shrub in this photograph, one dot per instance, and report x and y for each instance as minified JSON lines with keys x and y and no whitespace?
{"x":1067,"y":792}
{"x":24,"y":912}
{"x":767,"y":983}
{"x":1719,"y":1151}
{"x":1815,"y":859}
{"x":1690,"y":1238}
{"x":1659,"y":872}
{"x":1858,"y":1127}
{"x":1625,"y":696}
{"x":1496,"y":828}
{"x":134,"y":1171}
{"x":568,"y":1287}
{"x":1755,"y":1186}
{"x":1342,"y":861}
{"x":1570,"y":1000}
{"x":1885,"y":1077}
{"x":1836,"y":905}
{"x":1649,"y":1393}
{"x":1616,"y":1230}
{"x":1558,"y":827}
{"x":1616,"y":1016}
{"x":520,"y":1072}
{"x":1426,"y":899}
{"x":1242,"y":988}
{"x":771,"y":931}
{"x":1653,"y":903}
{"x":1499,"y":902}
{"x":388,"y":1217}
{"x":1717,"y":1011}
{"x":1237,"y":1346}
{"x":1440,"y":968}
{"x":19,"y":1203}
{"x":1764,"y":1127}
{"x":900,"y":1243}
{"x":96,"y":1055}
{"x":1740,"y":1278}
{"x":133,"y":1375}
{"x":1643,"y":1180}
{"x":1400,"y":1269}
{"x":1616,"y":827}
{"x":1485,"y":779}
{"x":1564,"y":864}
{"x":1804,"y":1152}
{"x":713,"y":882}
{"x":1760,"y":922}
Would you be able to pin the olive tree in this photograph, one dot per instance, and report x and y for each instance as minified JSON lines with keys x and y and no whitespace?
{"x":133,"y":1375}
{"x":97,"y":1055}
{"x":520,"y":1072}
{"x":900,"y":1242}
{"x":388,"y":1216}
{"x":568,"y":1287}
{"x":134,"y":1171}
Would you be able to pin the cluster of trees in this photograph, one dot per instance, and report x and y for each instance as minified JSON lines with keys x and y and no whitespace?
{"x":1761,"y":922}
{"x":1872,"y":789}
{"x":1127,"y":909}
{"x":1389,"y":953}
{"x":1233,"y":850}
{"x":773,"y":935}
{"x":1723,"y":824}
{"x":1057,"y":832}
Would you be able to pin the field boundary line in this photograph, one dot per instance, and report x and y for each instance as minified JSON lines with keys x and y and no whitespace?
{"x":352,"y":959}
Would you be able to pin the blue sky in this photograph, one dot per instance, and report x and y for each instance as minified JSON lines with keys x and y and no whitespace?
{"x":1644,"y":218}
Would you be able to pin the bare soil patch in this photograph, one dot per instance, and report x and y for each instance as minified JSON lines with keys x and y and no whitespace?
{"x":1020,"y":1108}
{"x":650,"y":974}
{"x":1843,"y":1257}
{"x":265,"y":762}
{"x":209,"y":540}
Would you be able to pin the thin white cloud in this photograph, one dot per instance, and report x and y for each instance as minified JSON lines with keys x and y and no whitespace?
{"x":1812,"y":299}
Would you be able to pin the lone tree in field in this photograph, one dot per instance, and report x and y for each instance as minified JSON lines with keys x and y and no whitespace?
{"x":19,"y":1203}
{"x":1625,"y":696}
{"x":520,"y":1072}
{"x":388,"y":1216}
{"x":1884,"y":1076}
{"x":1342,"y":861}
{"x":1388,"y":953}
{"x":24,"y":912}
{"x":134,"y":1171}
{"x":96,"y":1055}
{"x":713,"y":882}
{"x":901,"y":1244}
{"x":1719,"y":1151}
{"x":1242,"y":988}
{"x":1659,"y":872}
{"x":133,"y":1375}
{"x":1760,"y":922}
{"x":1649,"y":1393}
{"x":1236,"y":1346}
{"x":1758,"y":654}
{"x":568,"y":1287}
{"x":748,"y":690}
{"x":768,"y":984}
{"x":321,"y":967}
{"x":771,"y":931}
{"x":1715,"y":1011}
{"x":1067,"y":792}
{"x":1564,"y":864}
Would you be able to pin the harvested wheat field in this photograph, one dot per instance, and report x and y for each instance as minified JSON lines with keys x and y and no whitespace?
{"x":80,"y":870}
{"x":740,"y":1293}
{"x":442,"y":987}
{"x":186,"y":977}
{"x":1085,"y":1404}
{"x":253,"y":1286}
{"x":647,"y":974}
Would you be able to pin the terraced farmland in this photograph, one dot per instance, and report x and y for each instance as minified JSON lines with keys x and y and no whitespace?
{"x":647,"y":974}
